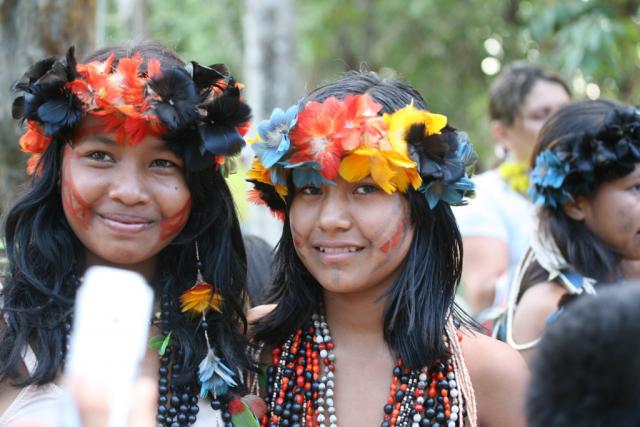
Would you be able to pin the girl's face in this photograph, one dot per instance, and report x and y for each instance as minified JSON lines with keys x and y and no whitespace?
{"x":352,"y":237}
{"x":124,"y":202}
{"x":613,"y":214}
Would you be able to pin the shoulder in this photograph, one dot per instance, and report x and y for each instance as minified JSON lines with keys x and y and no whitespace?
{"x":258,"y":312}
{"x":535,"y":306}
{"x":499,"y":376}
{"x":532,"y":312}
{"x":489,"y":359}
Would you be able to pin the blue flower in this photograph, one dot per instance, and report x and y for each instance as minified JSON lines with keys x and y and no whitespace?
{"x":547,"y":179}
{"x":274,"y":135}
{"x":453,"y":193}
{"x":308,"y":173}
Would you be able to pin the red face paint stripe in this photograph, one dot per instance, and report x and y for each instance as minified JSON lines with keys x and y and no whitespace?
{"x":396,"y":238}
{"x":172,"y":225}
{"x":78,"y":207}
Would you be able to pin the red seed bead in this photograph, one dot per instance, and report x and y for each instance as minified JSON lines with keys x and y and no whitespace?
{"x":419,"y":408}
{"x":432,"y":392}
{"x":444,"y":392}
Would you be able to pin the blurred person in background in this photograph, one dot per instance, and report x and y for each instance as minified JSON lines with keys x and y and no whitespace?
{"x":586,"y":183}
{"x":496,"y":226}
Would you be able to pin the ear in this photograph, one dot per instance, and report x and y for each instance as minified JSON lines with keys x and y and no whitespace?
{"x":500,"y":133}
{"x":577,"y":209}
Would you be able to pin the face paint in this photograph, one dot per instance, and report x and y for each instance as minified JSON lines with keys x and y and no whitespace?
{"x":397,"y":237}
{"x":77,"y":207}
{"x":172,"y":225}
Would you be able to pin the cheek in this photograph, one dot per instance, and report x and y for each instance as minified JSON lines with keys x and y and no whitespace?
{"x":76,"y":208}
{"x":172,"y":225}
{"x":300,"y":222}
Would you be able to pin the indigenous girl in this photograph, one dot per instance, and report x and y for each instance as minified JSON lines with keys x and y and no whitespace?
{"x":365,"y":330}
{"x":129,"y":151}
{"x":586,"y":182}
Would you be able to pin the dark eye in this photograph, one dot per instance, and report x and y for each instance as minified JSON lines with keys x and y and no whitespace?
{"x":100,"y":156}
{"x":365,"y":189}
{"x":310,"y":190}
{"x":163,"y":163}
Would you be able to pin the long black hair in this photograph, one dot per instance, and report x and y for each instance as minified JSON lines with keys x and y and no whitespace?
{"x":420,"y":300}
{"x":45,"y":258}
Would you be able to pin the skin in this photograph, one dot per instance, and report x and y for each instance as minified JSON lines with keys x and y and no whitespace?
{"x":124,"y":202}
{"x":613,"y":215}
{"x":93,"y":409}
{"x":361,"y":215}
{"x":487,"y":258}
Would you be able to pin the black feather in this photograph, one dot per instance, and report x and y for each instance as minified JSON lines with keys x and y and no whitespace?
{"x":205,"y":77}
{"x":179,"y":98}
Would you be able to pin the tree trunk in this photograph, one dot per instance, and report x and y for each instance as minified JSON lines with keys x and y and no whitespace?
{"x":29,"y":31}
{"x":271,"y":77}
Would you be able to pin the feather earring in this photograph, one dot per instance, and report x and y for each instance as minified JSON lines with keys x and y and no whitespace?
{"x":214,"y":376}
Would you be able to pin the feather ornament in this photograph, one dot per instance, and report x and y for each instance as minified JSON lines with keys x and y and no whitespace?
{"x":215,"y":377}
{"x":241,"y":415}
{"x":199,"y":298}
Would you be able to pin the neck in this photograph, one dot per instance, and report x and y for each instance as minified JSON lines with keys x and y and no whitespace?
{"x":146,"y":268}
{"x":355,"y":318}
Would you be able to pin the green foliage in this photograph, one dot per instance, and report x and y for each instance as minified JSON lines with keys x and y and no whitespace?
{"x":436,"y":45}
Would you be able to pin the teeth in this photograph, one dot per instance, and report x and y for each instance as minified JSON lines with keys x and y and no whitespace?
{"x":338,"y":250}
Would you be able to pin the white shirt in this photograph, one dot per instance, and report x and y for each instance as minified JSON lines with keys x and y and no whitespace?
{"x":499,"y":212}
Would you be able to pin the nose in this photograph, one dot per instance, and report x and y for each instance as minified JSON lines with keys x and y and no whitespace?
{"x":129,"y":185}
{"x":334,"y":213}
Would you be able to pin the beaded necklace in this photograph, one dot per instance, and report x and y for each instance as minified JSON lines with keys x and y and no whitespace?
{"x":300,"y":386}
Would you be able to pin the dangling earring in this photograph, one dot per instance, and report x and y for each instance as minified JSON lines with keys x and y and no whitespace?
{"x":214,"y":376}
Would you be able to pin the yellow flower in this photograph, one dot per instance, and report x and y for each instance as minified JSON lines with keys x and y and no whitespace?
{"x":390,"y":170}
{"x":399,"y":123}
{"x":259,"y":173}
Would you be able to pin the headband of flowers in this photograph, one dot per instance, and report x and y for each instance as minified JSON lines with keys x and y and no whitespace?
{"x":197,"y":109}
{"x":578,"y":163}
{"x":316,"y":142}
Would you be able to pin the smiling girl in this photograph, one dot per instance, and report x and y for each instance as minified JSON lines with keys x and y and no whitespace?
{"x":128,"y":159}
{"x":365,"y":331}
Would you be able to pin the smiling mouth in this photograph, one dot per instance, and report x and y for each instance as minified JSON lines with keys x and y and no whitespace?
{"x":126,"y":224}
{"x":350,"y":249}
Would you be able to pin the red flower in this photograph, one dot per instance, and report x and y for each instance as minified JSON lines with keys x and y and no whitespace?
{"x":360,"y":109}
{"x":34,"y":140}
{"x":316,"y":138}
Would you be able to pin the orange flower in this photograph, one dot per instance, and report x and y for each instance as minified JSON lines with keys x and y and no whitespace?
{"x":199,"y":298}
{"x":314,"y":136}
{"x":34,"y":140}
{"x":361,"y":122}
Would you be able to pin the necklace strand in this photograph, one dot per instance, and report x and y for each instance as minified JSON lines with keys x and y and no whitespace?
{"x":301,"y":387}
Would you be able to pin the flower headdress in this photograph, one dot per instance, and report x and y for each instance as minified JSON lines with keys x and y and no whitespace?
{"x":197,"y":109}
{"x":316,"y":142}
{"x":577,"y":163}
